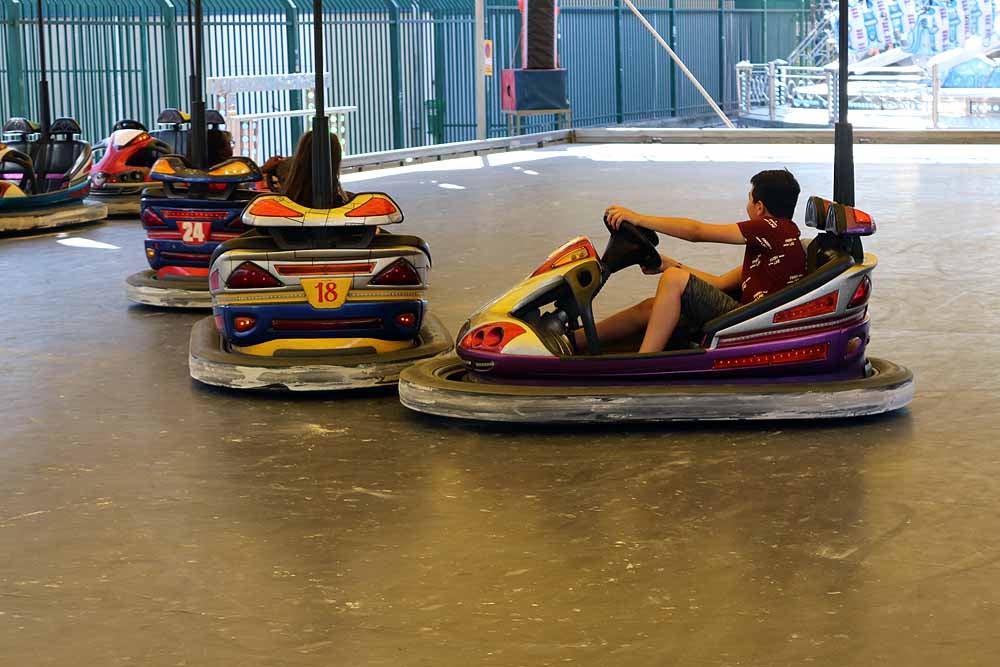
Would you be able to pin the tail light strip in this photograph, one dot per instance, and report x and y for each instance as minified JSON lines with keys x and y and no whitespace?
{"x":793,"y":332}
{"x":792,"y":356}
{"x":324,"y":269}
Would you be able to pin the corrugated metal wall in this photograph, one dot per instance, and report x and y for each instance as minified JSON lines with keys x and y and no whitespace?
{"x":392,"y":59}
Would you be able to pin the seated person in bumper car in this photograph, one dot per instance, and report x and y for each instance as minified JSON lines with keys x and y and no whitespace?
{"x":686,"y":298}
{"x":295,"y":173}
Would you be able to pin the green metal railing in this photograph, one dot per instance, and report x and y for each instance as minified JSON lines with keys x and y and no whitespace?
{"x":128,"y":59}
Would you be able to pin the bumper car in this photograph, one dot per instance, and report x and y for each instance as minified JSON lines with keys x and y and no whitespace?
{"x":798,"y":353}
{"x":316,"y":299}
{"x":44,"y":177}
{"x":194,"y":212}
{"x":122,"y":171}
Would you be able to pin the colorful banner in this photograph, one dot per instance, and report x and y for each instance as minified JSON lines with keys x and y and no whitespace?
{"x":923,"y":27}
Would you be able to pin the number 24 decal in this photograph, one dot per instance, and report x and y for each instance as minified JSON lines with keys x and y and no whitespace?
{"x":193,"y":232}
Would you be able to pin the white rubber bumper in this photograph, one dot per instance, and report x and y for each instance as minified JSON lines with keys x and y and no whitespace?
{"x":66,"y":215}
{"x":442,"y":387}
{"x":210,"y":362}
{"x":145,"y":288}
{"x":118,"y":205}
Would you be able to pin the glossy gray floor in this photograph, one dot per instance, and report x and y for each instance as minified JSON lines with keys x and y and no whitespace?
{"x":147,"y":520}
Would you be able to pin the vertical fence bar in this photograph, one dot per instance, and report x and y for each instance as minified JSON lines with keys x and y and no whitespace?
{"x":15,"y":62}
{"x":722,"y":53}
{"x":771,"y":92}
{"x":395,"y":74}
{"x":671,"y":64}
{"x":619,"y":65}
{"x":171,"y":65}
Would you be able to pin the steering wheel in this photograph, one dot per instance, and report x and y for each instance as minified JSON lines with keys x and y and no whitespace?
{"x":630,"y":245}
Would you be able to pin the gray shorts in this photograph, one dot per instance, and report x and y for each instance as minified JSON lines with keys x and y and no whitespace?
{"x":701,"y":303}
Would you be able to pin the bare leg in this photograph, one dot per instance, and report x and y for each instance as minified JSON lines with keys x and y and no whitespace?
{"x":666,"y":310}
{"x":619,"y":326}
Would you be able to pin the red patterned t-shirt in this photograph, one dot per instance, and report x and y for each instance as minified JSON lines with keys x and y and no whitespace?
{"x":774,"y":257}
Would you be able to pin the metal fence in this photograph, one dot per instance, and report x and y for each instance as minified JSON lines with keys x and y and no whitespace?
{"x":407,"y":65}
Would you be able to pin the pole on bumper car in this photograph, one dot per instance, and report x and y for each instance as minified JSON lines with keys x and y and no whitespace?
{"x":843,"y":134}
{"x":199,"y":134}
{"x":44,"y":112}
{"x":321,"y":177}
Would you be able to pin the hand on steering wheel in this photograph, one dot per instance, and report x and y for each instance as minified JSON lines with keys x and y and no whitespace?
{"x":615,"y":215}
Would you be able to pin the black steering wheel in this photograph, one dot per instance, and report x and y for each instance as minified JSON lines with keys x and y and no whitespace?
{"x":630,"y":245}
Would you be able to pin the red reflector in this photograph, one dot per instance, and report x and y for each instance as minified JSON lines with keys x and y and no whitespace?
{"x":405,"y":319}
{"x":185,"y":256}
{"x":822,"y":306}
{"x":150,"y":219}
{"x":196,"y":215}
{"x":214,"y":281}
{"x":168,"y":272}
{"x":327,"y":325}
{"x":250,"y":276}
{"x":218,"y":323}
{"x":573,"y":251}
{"x":491,"y":337}
{"x":862,"y":293}
{"x":375,"y":206}
{"x":795,"y":355}
{"x":272,"y":208}
{"x":400,"y":273}
{"x":243,"y":323}
{"x":323,"y":269}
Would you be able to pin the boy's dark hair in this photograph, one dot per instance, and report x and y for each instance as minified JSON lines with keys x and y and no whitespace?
{"x":778,"y":190}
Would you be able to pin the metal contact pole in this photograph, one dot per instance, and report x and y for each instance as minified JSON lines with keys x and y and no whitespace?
{"x":843,"y":134}
{"x":44,"y":111}
{"x":480,"y":67}
{"x":199,"y":134}
{"x":322,"y":180}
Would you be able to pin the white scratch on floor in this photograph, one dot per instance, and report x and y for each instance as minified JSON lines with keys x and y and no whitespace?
{"x":369,"y":492}
{"x":828,"y":552}
{"x":77,"y":242}
{"x":451,"y":186}
{"x":319,"y":430}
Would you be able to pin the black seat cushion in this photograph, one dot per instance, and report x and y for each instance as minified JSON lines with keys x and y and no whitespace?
{"x":128,"y":125}
{"x":177,"y":139}
{"x":56,"y":159}
{"x":20,"y":126}
{"x":65,"y":126}
{"x":173,"y":117}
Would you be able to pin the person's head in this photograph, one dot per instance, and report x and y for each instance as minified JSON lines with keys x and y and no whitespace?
{"x":218,"y":146}
{"x":773,"y":192}
{"x":299,"y":186}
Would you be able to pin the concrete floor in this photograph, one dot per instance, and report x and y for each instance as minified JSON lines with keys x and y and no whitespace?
{"x":147,"y":520}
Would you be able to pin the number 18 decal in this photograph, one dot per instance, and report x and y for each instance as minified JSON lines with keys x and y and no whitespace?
{"x":194,"y":232}
{"x":326,"y":292}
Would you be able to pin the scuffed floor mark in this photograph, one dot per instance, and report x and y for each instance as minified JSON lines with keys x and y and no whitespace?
{"x":316,"y":429}
{"x":832,"y":554}
{"x":451,"y":186}
{"x":26,"y":515}
{"x":369,"y":492}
